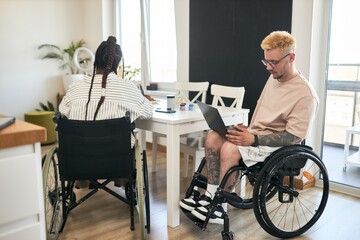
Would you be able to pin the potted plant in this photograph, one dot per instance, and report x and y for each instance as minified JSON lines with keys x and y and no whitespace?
{"x":49,"y":106}
{"x":66,"y":59}
{"x":43,"y":116}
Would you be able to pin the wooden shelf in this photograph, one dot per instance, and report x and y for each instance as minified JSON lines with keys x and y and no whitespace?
{"x":21,"y":133}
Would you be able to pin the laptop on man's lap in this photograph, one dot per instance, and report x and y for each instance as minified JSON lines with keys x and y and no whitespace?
{"x":213,"y":118}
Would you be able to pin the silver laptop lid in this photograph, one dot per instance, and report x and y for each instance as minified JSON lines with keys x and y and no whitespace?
{"x":213,"y":118}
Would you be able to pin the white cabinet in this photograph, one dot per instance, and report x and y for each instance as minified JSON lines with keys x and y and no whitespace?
{"x":21,"y":202}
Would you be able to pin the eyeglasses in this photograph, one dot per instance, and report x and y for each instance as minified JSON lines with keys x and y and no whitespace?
{"x":272,"y":63}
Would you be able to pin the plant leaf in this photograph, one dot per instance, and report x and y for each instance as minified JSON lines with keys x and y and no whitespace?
{"x":53,"y":55}
{"x":57,"y":101}
{"x":50,"y":106}
{"x":49,"y":46}
{"x":43,"y":106}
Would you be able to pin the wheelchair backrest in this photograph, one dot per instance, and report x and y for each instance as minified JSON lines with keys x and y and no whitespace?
{"x":95,"y":149}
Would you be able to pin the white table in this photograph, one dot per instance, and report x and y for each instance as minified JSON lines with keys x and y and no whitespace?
{"x":173,"y":125}
{"x":353,"y":159}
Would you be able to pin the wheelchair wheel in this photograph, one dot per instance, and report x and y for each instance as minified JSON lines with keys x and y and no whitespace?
{"x":52,"y":195}
{"x":142,"y":191}
{"x":302,"y":189}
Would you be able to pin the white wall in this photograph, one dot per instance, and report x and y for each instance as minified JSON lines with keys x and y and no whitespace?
{"x":310,"y":27}
{"x":25,"y":80}
{"x":182,"y":21}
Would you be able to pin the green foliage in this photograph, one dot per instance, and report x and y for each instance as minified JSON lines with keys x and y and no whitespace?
{"x":49,"y":106}
{"x":64,"y":56}
{"x":129,"y":71}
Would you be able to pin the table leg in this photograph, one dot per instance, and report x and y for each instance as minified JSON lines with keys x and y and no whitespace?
{"x":173,"y":175}
{"x":142,"y":139}
{"x":155,"y":140}
{"x":346,"y":149}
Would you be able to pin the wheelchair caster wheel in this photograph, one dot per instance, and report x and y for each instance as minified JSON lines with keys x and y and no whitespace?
{"x":227,"y":235}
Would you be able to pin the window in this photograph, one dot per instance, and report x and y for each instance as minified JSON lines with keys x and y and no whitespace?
{"x":162,"y":38}
{"x":343,"y":83}
{"x":128,"y":17}
{"x":343,"y":92}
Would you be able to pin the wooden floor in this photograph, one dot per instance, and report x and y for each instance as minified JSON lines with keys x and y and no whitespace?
{"x":104,"y":217}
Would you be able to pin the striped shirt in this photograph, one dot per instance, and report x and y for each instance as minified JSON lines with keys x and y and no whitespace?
{"x":120,"y":96}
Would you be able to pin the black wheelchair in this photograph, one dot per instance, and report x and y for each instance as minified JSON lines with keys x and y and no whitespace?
{"x":98,"y":151}
{"x":288,"y":192}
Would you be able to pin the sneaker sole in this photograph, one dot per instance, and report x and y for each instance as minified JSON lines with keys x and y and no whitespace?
{"x":211,"y":220}
{"x":186,"y":207}
{"x":190,"y":208}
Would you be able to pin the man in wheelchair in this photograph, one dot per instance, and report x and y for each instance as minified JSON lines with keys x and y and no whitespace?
{"x":282,"y":117}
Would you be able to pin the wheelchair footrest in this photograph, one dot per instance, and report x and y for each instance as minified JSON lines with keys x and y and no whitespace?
{"x":232,"y":197}
{"x":197,"y":221}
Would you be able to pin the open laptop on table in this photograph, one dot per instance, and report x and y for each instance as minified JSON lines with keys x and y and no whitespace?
{"x":213,"y":118}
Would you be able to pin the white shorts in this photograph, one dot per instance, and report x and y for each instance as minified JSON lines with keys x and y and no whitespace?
{"x":252,"y":155}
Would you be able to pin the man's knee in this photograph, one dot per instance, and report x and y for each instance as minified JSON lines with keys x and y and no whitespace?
{"x":230,"y":152}
{"x":213,"y":139}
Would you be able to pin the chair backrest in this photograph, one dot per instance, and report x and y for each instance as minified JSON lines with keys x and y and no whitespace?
{"x":199,"y":87}
{"x":219,"y":92}
{"x":95,"y":149}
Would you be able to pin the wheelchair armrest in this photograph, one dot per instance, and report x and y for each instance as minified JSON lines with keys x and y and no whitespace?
{"x":132,"y":124}
{"x":56,"y":117}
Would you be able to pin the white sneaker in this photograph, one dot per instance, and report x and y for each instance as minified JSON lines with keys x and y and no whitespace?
{"x":193,"y":202}
{"x":216,"y":217}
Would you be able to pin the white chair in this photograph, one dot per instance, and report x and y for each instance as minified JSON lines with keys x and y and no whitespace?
{"x":196,"y":149}
{"x":219,"y":92}
{"x":200,"y":88}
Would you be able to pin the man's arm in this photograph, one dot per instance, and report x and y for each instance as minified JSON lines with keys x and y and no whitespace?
{"x":278,"y":139}
{"x":242,"y":137}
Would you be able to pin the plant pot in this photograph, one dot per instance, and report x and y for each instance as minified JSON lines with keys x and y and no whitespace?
{"x":70,"y":79}
{"x":44,"y":119}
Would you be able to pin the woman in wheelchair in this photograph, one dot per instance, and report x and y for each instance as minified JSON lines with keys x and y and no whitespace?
{"x":283,"y":116}
{"x":104,"y":95}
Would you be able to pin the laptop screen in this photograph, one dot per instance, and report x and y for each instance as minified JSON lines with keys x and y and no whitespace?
{"x":213,"y":118}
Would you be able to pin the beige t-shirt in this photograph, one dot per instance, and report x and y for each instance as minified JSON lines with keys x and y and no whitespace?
{"x":285,"y":106}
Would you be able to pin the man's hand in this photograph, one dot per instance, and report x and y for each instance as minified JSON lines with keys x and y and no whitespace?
{"x":239,"y":135}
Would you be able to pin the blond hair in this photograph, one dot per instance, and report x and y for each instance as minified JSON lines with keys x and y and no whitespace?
{"x":279,"y":39}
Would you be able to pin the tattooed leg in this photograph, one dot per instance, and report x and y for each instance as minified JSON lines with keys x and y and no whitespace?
{"x":213,"y":165}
